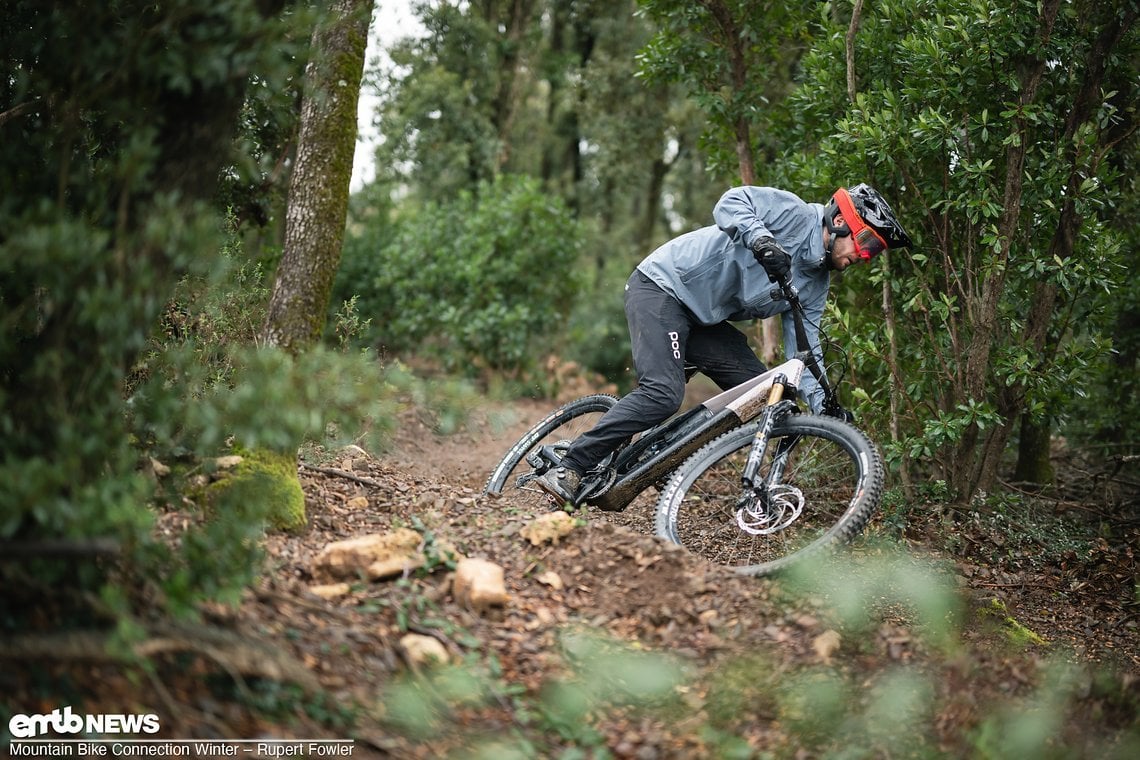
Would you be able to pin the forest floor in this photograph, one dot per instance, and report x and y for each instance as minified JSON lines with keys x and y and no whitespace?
{"x":1005,"y":630}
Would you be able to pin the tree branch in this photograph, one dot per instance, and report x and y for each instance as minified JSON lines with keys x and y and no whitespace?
{"x":92,"y":547}
{"x":228,"y":649}
{"x":852,"y":30}
{"x":16,"y":111}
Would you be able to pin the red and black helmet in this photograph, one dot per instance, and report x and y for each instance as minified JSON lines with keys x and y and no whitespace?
{"x":867,"y":218}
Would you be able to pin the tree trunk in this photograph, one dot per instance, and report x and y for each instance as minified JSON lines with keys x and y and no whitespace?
{"x":967,"y":467}
{"x":896,"y":391}
{"x":1033,"y":464}
{"x":559,"y":22}
{"x":505,"y":105}
{"x":852,"y":31}
{"x":768,"y":334}
{"x":1122,"y":376}
{"x":319,"y":185}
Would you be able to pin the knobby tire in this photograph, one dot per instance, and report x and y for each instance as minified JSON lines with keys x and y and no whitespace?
{"x":564,"y":424}
{"x":834,"y":466}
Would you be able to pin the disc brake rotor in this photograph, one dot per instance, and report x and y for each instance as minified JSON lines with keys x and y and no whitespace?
{"x":784,"y":505}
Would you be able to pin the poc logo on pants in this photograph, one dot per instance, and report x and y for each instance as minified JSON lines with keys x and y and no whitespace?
{"x":675,"y":340}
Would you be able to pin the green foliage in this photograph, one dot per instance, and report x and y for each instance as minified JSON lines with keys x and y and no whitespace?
{"x":1014,"y":631}
{"x":216,"y":558}
{"x":271,"y":400}
{"x":436,"y":555}
{"x":439,"y":114}
{"x":254,"y":186}
{"x":545,"y":89}
{"x":946,"y":108}
{"x":597,"y":336}
{"x":937,"y":122}
{"x":733,"y":68}
{"x":892,"y":578}
{"x":285,"y":702}
{"x":348,"y":324}
{"x":106,"y":233}
{"x":602,"y":674}
{"x":206,"y":391}
{"x":101,"y":213}
{"x":1108,"y":405}
{"x":473,"y":282}
{"x":830,"y":705}
{"x":208,"y":315}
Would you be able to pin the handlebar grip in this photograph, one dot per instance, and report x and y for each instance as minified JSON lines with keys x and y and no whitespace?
{"x":787,"y":288}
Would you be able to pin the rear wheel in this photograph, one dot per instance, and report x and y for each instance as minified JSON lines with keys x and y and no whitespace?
{"x":558,"y":429}
{"x":831,"y":485}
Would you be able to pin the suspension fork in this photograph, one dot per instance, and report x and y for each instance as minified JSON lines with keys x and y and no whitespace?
{"x":776,"y":408}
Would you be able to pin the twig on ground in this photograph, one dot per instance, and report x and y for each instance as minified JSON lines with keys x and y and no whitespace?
{"x":91,"y":547}
{"x":228,"y":649}
{"x":343,"y":474}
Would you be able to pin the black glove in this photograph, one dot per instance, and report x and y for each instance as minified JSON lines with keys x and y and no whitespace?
{"x":775,"y":260}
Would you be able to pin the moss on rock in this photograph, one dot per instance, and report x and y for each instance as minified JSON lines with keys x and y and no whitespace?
{"x":263,"y":482}
{"x":1015,"y":631}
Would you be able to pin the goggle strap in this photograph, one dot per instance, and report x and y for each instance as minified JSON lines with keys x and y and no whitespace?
{"x":865,"y":236}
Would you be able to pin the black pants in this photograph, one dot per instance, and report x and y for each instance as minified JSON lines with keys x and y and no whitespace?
{"x":664,"y":335}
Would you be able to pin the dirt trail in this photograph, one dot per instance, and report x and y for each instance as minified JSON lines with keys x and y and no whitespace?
{"x":610,"y":612}
{"x":613,"y":578}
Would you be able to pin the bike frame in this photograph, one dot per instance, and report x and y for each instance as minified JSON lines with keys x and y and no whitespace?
{"x":661,"y":449}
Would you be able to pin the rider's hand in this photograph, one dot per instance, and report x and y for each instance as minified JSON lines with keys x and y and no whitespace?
{"x":775,"y":260}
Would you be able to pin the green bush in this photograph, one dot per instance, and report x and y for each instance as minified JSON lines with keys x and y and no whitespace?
{"x":473,"y":281}
{"x":598,"y":336}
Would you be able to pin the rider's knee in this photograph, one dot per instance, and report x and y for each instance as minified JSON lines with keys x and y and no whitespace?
{"x":664,"y":400}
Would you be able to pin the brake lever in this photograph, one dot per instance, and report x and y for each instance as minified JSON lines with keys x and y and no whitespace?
{"x":785,"y":290}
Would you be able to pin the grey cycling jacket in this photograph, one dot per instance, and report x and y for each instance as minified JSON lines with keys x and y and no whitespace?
{"x":713,"y":273}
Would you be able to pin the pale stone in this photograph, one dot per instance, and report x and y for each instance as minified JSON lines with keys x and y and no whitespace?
{"x":376,"y":556}
{"x":552,"y":579}
{"x":331,"y":590}
{"x":479,"y":584}
{"x":228,"y":462}
{"x":551,"y":526}
{"x":424,"y":650}
{"x":826,"y":644}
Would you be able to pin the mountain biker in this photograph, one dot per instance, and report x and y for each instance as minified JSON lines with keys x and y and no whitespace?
{"x":680,"y":300}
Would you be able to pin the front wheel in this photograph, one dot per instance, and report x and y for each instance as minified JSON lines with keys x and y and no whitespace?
{"x":557,"y":430}
{"x":831,"y":483}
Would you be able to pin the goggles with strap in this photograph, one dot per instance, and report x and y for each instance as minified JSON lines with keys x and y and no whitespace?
{"x":868,"y":242}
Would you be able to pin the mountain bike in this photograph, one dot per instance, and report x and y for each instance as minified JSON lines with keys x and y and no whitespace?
{"x":746,"y":479}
